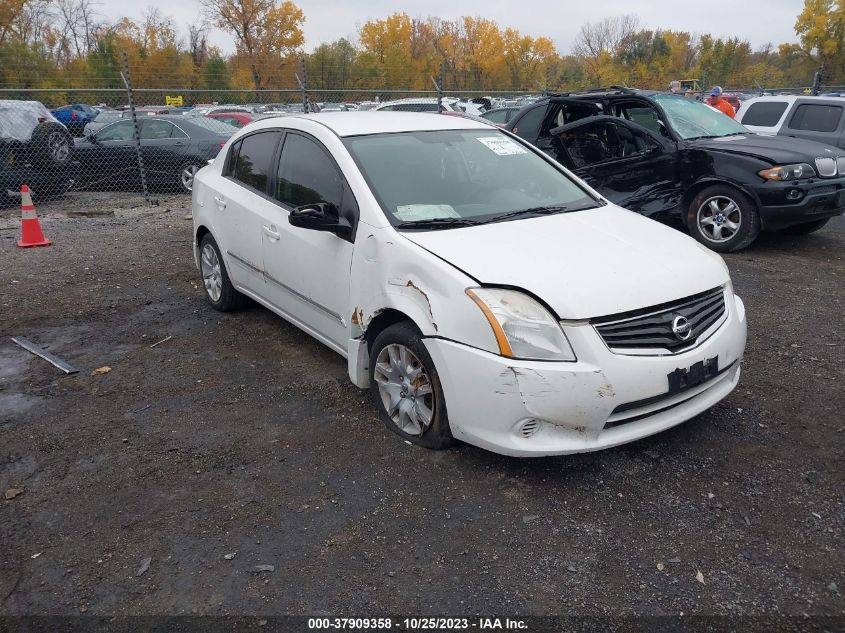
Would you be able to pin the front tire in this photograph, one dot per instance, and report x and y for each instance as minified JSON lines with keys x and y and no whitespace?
{"x":406,"y":387}
{"x":805,"y":228}
{"x":219,"y":290}
{"x":723,"y":218}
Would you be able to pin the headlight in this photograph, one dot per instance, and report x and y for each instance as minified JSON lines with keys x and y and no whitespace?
{"x":523,"y":328}
{"x":788,"y":172}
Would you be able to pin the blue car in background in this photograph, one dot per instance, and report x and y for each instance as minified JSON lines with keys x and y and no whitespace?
{"x":75,"y":117}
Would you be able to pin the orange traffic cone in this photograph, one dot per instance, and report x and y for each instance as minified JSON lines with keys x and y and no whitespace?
{"x":31,"y":234}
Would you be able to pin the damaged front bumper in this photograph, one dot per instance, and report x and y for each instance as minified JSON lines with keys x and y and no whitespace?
{"x":532,"y":408}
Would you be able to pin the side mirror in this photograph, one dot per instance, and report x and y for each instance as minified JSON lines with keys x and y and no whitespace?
{"x":320,"y":216}
{"x":92,"y":138}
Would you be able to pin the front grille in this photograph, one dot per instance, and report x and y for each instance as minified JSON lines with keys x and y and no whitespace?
{"x":826,"y":166}
{"x":840,"y":165}
{"x":652,"y":328}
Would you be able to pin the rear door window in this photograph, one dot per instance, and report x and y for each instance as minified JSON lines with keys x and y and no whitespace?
{"x":816,"y":117}
{"x":156,"y":129}
{"x":120,"y":131}
{"x":252,"y":159}
{"x":764,"y":113}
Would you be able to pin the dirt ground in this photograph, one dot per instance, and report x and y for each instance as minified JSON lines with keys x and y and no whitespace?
{"x":238,"y":442}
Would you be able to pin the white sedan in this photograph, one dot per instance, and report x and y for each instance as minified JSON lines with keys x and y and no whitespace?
{"x":478,"y":289}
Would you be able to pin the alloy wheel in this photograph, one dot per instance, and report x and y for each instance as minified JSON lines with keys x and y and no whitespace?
{"x":212,"y":275}
{"x":719,"y":218}
{"x":58,"y":146}
{"x":405,"y":389}
{"x":187,"y":177}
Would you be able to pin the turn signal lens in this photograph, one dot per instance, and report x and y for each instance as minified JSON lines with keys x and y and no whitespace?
{"x":788,"y":172}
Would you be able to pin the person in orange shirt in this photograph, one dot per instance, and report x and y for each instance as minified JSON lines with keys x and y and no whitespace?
{"x":721,"y":104}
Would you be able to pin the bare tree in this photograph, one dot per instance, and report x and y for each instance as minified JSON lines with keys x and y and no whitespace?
{"x":603,"y":37}
{"x":198,"y":42}
{"x":76,"y":21}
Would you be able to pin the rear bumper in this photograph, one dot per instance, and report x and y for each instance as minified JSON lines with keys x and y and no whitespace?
{"x":786,"y":204}
{"x":527,"y":409}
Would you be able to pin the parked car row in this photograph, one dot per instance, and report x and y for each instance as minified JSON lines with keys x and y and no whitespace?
{"x":662,"y":155}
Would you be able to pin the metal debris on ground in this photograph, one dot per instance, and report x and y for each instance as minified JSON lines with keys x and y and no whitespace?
{"x":145,"y":566}
{"x":262,"y":568}
{"x":50,"y":358}
{"x":164,"y":340}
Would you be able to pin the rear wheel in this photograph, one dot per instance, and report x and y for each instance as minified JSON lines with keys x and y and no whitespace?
{"x":215,"y":278}
{"x":186,"y":176}
{"x":406,"y":387}
{"x":51,"y":145}
{"x":805,"y":228}
{"x":723,"y":218}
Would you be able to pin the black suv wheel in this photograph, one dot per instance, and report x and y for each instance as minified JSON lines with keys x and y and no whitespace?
{"x":723,"y":218}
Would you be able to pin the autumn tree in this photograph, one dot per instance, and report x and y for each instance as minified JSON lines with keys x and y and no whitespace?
{"x":10,"y":12}
{"x":331,"y":65}
{"x":526,"y":58}
{"x":265,"y":32}
{"x":821,"y":29}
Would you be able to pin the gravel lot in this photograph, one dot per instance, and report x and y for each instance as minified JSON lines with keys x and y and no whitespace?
{"x":239,"y":442}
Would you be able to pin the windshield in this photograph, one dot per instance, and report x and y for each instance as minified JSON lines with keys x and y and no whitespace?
{"x":692,"y":119}
{"x":460,"y":177}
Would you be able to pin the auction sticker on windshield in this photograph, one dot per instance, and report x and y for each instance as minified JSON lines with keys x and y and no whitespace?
{"x":502,"y":146}
{"x":415,"y":212}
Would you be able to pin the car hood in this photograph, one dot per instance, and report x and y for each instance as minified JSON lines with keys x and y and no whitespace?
{"x":583,"y":264}
{"x":777,"y":149}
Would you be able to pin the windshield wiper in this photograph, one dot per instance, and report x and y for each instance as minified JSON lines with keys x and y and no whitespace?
{"x":532,"y":212}
{"x":436,"y":223}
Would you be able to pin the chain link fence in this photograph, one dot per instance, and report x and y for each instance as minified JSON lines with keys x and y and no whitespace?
{"x":154,"y":140}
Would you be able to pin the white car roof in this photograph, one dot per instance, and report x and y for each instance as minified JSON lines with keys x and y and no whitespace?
{"x":371,"y":122}
{"x":790,"y":99}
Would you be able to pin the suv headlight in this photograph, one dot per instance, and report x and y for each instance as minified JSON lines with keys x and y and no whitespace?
{"x":522,"y":326}
{"x":788,"y":172}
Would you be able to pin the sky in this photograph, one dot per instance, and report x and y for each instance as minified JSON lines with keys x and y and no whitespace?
{"x":759,"y":21}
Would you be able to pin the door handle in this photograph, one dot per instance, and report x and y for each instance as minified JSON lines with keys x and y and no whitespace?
{"x":271,"y":233}
{"x":221,"y":202}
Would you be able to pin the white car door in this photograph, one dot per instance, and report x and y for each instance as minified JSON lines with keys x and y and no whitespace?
{"x":307,"y":271}
{"x":242,"y":207}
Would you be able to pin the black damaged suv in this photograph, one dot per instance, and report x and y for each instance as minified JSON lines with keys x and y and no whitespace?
{"x":673,"y":158}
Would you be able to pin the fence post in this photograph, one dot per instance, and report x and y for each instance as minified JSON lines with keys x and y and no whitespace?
{"x":136,"y":132}
{"x":303,"y":84}
{"x":817,"y":83}
{"x":438,"y":86}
